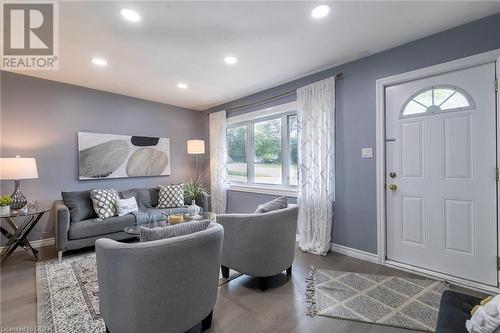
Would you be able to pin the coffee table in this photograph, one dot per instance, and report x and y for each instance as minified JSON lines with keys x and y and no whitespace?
{"x":136,"y":229}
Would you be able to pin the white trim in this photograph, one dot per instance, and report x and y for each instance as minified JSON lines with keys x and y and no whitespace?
{"x":381,"y":84}
{"x":263,"y":113}
{"x":264,"y":189}
{"x":444,"y":277}
{"x":36,"y":244}
{"x":355,"y":253}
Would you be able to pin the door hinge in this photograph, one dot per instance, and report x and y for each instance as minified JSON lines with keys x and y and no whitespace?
{"x":497,"y":174}
{"x":496,"y":85}
{"x":498,"y":263}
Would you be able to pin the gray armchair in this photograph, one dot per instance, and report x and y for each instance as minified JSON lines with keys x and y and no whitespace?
{"x":260,"y":245}
{"x":167,"y":285}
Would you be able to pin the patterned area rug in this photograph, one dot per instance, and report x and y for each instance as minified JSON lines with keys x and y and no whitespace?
{"x":68,"y":294}
{"x":377,"y":299}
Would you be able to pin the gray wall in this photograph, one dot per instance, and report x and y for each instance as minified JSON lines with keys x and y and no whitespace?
{"x":41,"y":118}
{"x":355,"y":222}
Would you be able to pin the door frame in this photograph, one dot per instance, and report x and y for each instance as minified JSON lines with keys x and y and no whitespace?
{"x":381,"y":84}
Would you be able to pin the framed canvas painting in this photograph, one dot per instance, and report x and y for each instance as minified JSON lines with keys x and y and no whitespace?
{"x":122,"y":156}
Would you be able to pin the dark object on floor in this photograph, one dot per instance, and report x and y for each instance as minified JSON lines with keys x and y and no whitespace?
{"x":454,"y":310}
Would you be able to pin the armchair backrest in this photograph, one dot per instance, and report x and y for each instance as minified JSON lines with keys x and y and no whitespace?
{"x":146,"y":287}
{"x":260,"y":244}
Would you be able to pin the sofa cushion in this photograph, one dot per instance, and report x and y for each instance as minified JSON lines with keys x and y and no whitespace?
{"x":454,"y":310}
{"x":94,"y":227}
{"x":79,"y":205}
{"x":146,"y":197}
{"x":181,"y":229}
{"x":276,"y":204}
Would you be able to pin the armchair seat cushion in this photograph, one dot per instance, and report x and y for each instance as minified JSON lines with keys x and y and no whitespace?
{"x":93,"y":227}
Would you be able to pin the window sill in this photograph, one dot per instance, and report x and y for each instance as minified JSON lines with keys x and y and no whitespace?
{"x":264,"y":189}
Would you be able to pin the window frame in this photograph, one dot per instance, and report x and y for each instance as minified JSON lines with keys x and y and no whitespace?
{"x":282,"y":112}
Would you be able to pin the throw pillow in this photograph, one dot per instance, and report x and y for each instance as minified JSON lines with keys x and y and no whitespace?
{"x":486,"y":317}
{"x":181,"y":229}
{"x":278,"y":203}
{"x":171,"y":196}
{"x":104,"y":202}
{"x":126,"y":206}
{"x":79,"y":205}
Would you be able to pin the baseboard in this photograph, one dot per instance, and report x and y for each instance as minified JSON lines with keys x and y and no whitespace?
{"x":37,"y":243}
{"x":355,"y":253}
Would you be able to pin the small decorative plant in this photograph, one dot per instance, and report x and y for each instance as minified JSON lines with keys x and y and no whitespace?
{"x":5,"y":200}
{"x":194,"y":190}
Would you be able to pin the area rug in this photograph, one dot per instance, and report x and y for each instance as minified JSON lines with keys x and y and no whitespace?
{"x":68,"y":294}
{"x":377,"y":299}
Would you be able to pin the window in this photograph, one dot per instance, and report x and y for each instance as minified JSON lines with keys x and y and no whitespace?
{"x":236,"y":151}
{"x":437,"y":99}
{"x":262,"y":150}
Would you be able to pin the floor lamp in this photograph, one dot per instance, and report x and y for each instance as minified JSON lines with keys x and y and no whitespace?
{"x":196,"y":147}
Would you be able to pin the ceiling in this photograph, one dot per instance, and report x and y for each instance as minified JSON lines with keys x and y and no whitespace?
{"x":274,"y":42}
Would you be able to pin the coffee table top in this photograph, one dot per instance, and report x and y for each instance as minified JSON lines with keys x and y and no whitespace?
{"x":136,"y":229}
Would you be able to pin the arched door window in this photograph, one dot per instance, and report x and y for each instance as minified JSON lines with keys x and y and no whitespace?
{"x":443,"y":98}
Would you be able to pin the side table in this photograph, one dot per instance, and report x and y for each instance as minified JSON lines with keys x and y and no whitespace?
{"x":18,"y":235}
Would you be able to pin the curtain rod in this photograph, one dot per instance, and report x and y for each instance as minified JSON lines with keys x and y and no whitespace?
{"x":337,"y":76}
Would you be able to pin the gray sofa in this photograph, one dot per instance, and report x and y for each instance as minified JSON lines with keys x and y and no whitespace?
{"x":167,"y":285}
{"x":72,"y":233}
{"x":260,"y":245}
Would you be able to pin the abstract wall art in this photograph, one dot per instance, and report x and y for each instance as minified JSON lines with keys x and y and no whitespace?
{"x":121,"y":156}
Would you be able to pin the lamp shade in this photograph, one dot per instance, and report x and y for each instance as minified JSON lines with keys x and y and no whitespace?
{"x":18,"y":168}
{"x":195,"y":147}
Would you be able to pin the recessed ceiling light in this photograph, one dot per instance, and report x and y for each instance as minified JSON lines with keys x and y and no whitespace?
{"x":320,"y":11}
{"x":230,"y":60}
{"x":99,"y":62}
{"x":130,"y":15}
{"x":182,"y":85}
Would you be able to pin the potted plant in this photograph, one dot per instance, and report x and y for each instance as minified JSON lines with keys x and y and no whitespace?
{"x":194,"y":190}
{"x":5,"y":202}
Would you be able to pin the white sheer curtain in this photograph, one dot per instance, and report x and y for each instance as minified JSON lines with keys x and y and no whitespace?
{"x":218,"y":157}
{"x":316,"y":120}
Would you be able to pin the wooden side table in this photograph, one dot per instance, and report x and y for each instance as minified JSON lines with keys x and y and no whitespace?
{"x":18,"y":235}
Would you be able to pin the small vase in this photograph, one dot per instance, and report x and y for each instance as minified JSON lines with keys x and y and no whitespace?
{"x":193,"y":209}
{"x":4,"y":210}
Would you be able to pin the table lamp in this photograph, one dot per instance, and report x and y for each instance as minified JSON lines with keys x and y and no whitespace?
{"x":196,"y":147}
{"x":15,"y":169}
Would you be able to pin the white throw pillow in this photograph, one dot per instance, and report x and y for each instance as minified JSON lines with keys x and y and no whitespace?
{"x":126,"y":206}
{"x":104,"y":202}
{"x":486,"y":318}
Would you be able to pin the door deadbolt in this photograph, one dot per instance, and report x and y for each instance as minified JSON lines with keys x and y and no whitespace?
{"x":392,"y":174}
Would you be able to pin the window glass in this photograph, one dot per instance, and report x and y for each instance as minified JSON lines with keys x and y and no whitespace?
{"x":267,"y":151}
{"x":436,"y":99}
{"x":293,"y":151}
{"x":236,"y":149}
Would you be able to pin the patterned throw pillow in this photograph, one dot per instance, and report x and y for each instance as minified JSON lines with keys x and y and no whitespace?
{"x":104,"y":202}
{"x":181,"y":229}
{"x":171,"y":196}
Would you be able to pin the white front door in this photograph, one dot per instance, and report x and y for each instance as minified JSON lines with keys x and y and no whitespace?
{"x":441,"y":173}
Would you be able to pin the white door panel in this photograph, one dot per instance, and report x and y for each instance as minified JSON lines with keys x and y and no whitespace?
{"x":442,"y":216}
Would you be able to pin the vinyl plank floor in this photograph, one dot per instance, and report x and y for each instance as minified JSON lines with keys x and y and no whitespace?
{"x":241,"y":305}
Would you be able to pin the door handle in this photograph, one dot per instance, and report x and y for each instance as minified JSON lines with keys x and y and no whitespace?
{"x":393,"y":187}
